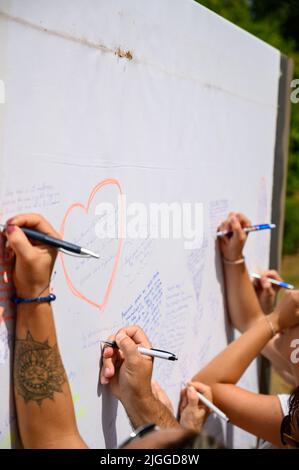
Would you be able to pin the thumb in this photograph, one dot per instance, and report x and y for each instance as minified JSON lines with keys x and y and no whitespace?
{"x":126,"y":345}
{"x":19,"y":242}
{"x":192,"y":396}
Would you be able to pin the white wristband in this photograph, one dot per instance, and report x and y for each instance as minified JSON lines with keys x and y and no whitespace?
{"x":234,"y":263}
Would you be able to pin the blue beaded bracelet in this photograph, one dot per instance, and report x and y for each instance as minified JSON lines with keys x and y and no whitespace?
{"x":19,"y":300}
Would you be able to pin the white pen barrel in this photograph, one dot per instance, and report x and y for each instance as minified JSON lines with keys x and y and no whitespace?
{"x":213,"y":407}
{"x":153,"y":353}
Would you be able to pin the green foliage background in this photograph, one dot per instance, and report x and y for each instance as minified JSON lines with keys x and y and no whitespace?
{"x":277,"y":23}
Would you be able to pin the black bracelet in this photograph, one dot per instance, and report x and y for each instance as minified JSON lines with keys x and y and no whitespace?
{"x":19,"y":300}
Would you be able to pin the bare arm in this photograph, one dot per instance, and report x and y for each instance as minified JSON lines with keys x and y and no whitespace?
{"x":230,"y":364}
{"x":44,"y":404}
{"x":223,"y":372}
{"x":150,"y":410}
{"x":244,"y":311}
{"x":260,"y":415}
{"x":128,"y":374}
{"x":243,"y":304}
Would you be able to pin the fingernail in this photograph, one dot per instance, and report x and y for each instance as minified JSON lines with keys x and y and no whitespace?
{"x":107,"y":371}
{"x":104,"y":381}
{"x":10,"y":229}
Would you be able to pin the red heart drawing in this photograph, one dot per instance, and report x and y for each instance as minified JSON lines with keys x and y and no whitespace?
{"x":78,"y":205}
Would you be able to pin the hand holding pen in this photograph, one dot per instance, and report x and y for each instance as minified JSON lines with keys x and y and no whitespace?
{"x":48,"y":239}
{"x":231,"y":248}
{"x":278,"y":283}
{"x":232,"y":235}
{"x":194,"y":396}
{"x":251,"y":228}
{"x":266,"y":285}
{"x":127,"y":372}
{"x":34,"y":263}
{"x":152,"y":352}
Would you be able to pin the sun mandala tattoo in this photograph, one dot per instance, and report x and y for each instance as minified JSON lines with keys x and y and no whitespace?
{"x":38,"y":371}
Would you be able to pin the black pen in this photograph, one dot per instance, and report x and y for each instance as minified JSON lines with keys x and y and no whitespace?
{"x":148,"y":352}
{"x":48,"y":240}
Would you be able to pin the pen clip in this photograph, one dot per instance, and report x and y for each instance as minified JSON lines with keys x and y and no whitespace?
{"x":162,"y":351}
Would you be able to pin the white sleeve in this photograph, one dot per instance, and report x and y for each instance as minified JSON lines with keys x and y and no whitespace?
{"x":284,"y":403}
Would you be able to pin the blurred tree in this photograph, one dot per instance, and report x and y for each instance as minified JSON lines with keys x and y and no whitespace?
{"x":287,"y":11}
{"x":277,"y":23}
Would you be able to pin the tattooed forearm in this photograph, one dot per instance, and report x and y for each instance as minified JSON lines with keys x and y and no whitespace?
{"x":38,"y":370}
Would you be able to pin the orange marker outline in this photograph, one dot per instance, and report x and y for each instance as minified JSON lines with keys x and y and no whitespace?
{"x":78,"y":205}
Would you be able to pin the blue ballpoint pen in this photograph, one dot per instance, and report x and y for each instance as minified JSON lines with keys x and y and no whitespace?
{"x":282,"y":284}
{"x":252,"y":228}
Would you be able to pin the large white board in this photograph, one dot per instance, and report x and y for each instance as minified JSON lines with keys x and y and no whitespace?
{"x":163,"y":101}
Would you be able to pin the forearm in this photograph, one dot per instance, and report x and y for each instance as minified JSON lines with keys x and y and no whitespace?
{"x":257,"y":414}
{"x":42,"y":394}
{"x":150,"y":410}
{"x":230,"y":364}
{"x":243,"y":306}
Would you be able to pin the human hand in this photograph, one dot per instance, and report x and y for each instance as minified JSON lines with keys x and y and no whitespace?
{"x":265,"y":291}
{"x":192,"y":412}
{"x":161,"y":395}
{"x":34,"y":261}
{"x":231,"y":247}
{"x":128,"y":372}
{"x":286,"y":313}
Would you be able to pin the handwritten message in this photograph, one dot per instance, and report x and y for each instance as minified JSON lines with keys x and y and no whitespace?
{"x":29,"y":198}
{"x":146,"y":308}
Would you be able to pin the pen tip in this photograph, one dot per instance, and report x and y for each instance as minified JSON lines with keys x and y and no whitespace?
{"x":173,"y":358}
{"x":85,"y":251}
